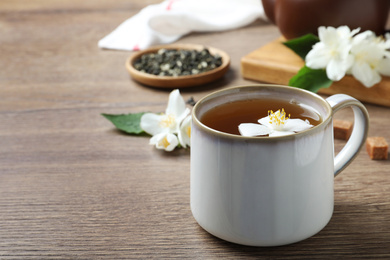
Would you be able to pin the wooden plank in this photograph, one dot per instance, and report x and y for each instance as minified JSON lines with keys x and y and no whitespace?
{"x":275,"y":63}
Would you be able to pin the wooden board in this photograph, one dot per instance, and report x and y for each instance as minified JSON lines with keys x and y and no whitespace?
{"x":275,"y":63}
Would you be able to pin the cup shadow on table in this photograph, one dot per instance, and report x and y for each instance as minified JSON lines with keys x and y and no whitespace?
{"x":352,"y":231}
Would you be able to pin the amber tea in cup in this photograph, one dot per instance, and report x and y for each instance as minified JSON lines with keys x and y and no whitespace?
{"x":227,"y":117}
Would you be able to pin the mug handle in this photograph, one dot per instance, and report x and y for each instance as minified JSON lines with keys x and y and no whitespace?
{"x":359,"y":132}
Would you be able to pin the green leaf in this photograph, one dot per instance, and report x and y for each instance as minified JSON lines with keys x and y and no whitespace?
{"x":302,"y":45}
{"x":129,"y":123}
{"x":310,"y":79}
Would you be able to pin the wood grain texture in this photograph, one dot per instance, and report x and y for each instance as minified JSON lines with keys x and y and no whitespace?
{"x":72,"y":187}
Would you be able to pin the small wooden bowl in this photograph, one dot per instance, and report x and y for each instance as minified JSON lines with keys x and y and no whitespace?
{"x":179,"y":81}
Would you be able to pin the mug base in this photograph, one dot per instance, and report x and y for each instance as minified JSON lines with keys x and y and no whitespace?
{"x":265,"y":241}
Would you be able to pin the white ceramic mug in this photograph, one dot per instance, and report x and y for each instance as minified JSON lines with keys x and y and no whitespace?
{"x":269,"y":191}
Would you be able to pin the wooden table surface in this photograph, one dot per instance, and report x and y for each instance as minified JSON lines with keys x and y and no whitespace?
{"x":73,"y":187}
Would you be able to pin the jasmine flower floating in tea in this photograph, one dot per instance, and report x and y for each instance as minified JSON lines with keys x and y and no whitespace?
{"x":275,"y":124}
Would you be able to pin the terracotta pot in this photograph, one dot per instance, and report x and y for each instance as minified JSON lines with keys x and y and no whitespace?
{"x":295,"y":18}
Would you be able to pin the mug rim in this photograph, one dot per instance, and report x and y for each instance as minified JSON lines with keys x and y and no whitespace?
{"x":217,"y":93}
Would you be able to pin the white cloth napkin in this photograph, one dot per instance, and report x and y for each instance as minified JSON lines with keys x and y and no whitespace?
{"x":168,"y":21}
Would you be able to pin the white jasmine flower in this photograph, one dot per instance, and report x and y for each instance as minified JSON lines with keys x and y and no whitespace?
{"x":163,"y":127}
{"x":332,"y":51}
{"x":185,"y":132}
{"x":370,"y":58}
{"x":275,"y":124}
{"x":165,"y":141}
{"x":251,"y":129}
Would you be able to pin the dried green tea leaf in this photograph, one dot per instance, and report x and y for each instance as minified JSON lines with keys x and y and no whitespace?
{"x":177,"y":62}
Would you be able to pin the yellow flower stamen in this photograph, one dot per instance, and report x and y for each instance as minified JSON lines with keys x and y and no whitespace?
{"x":165,"y":142}
{"x":188,"y":131}
{"x":278,"y":118}
{"x":168,"y":121}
